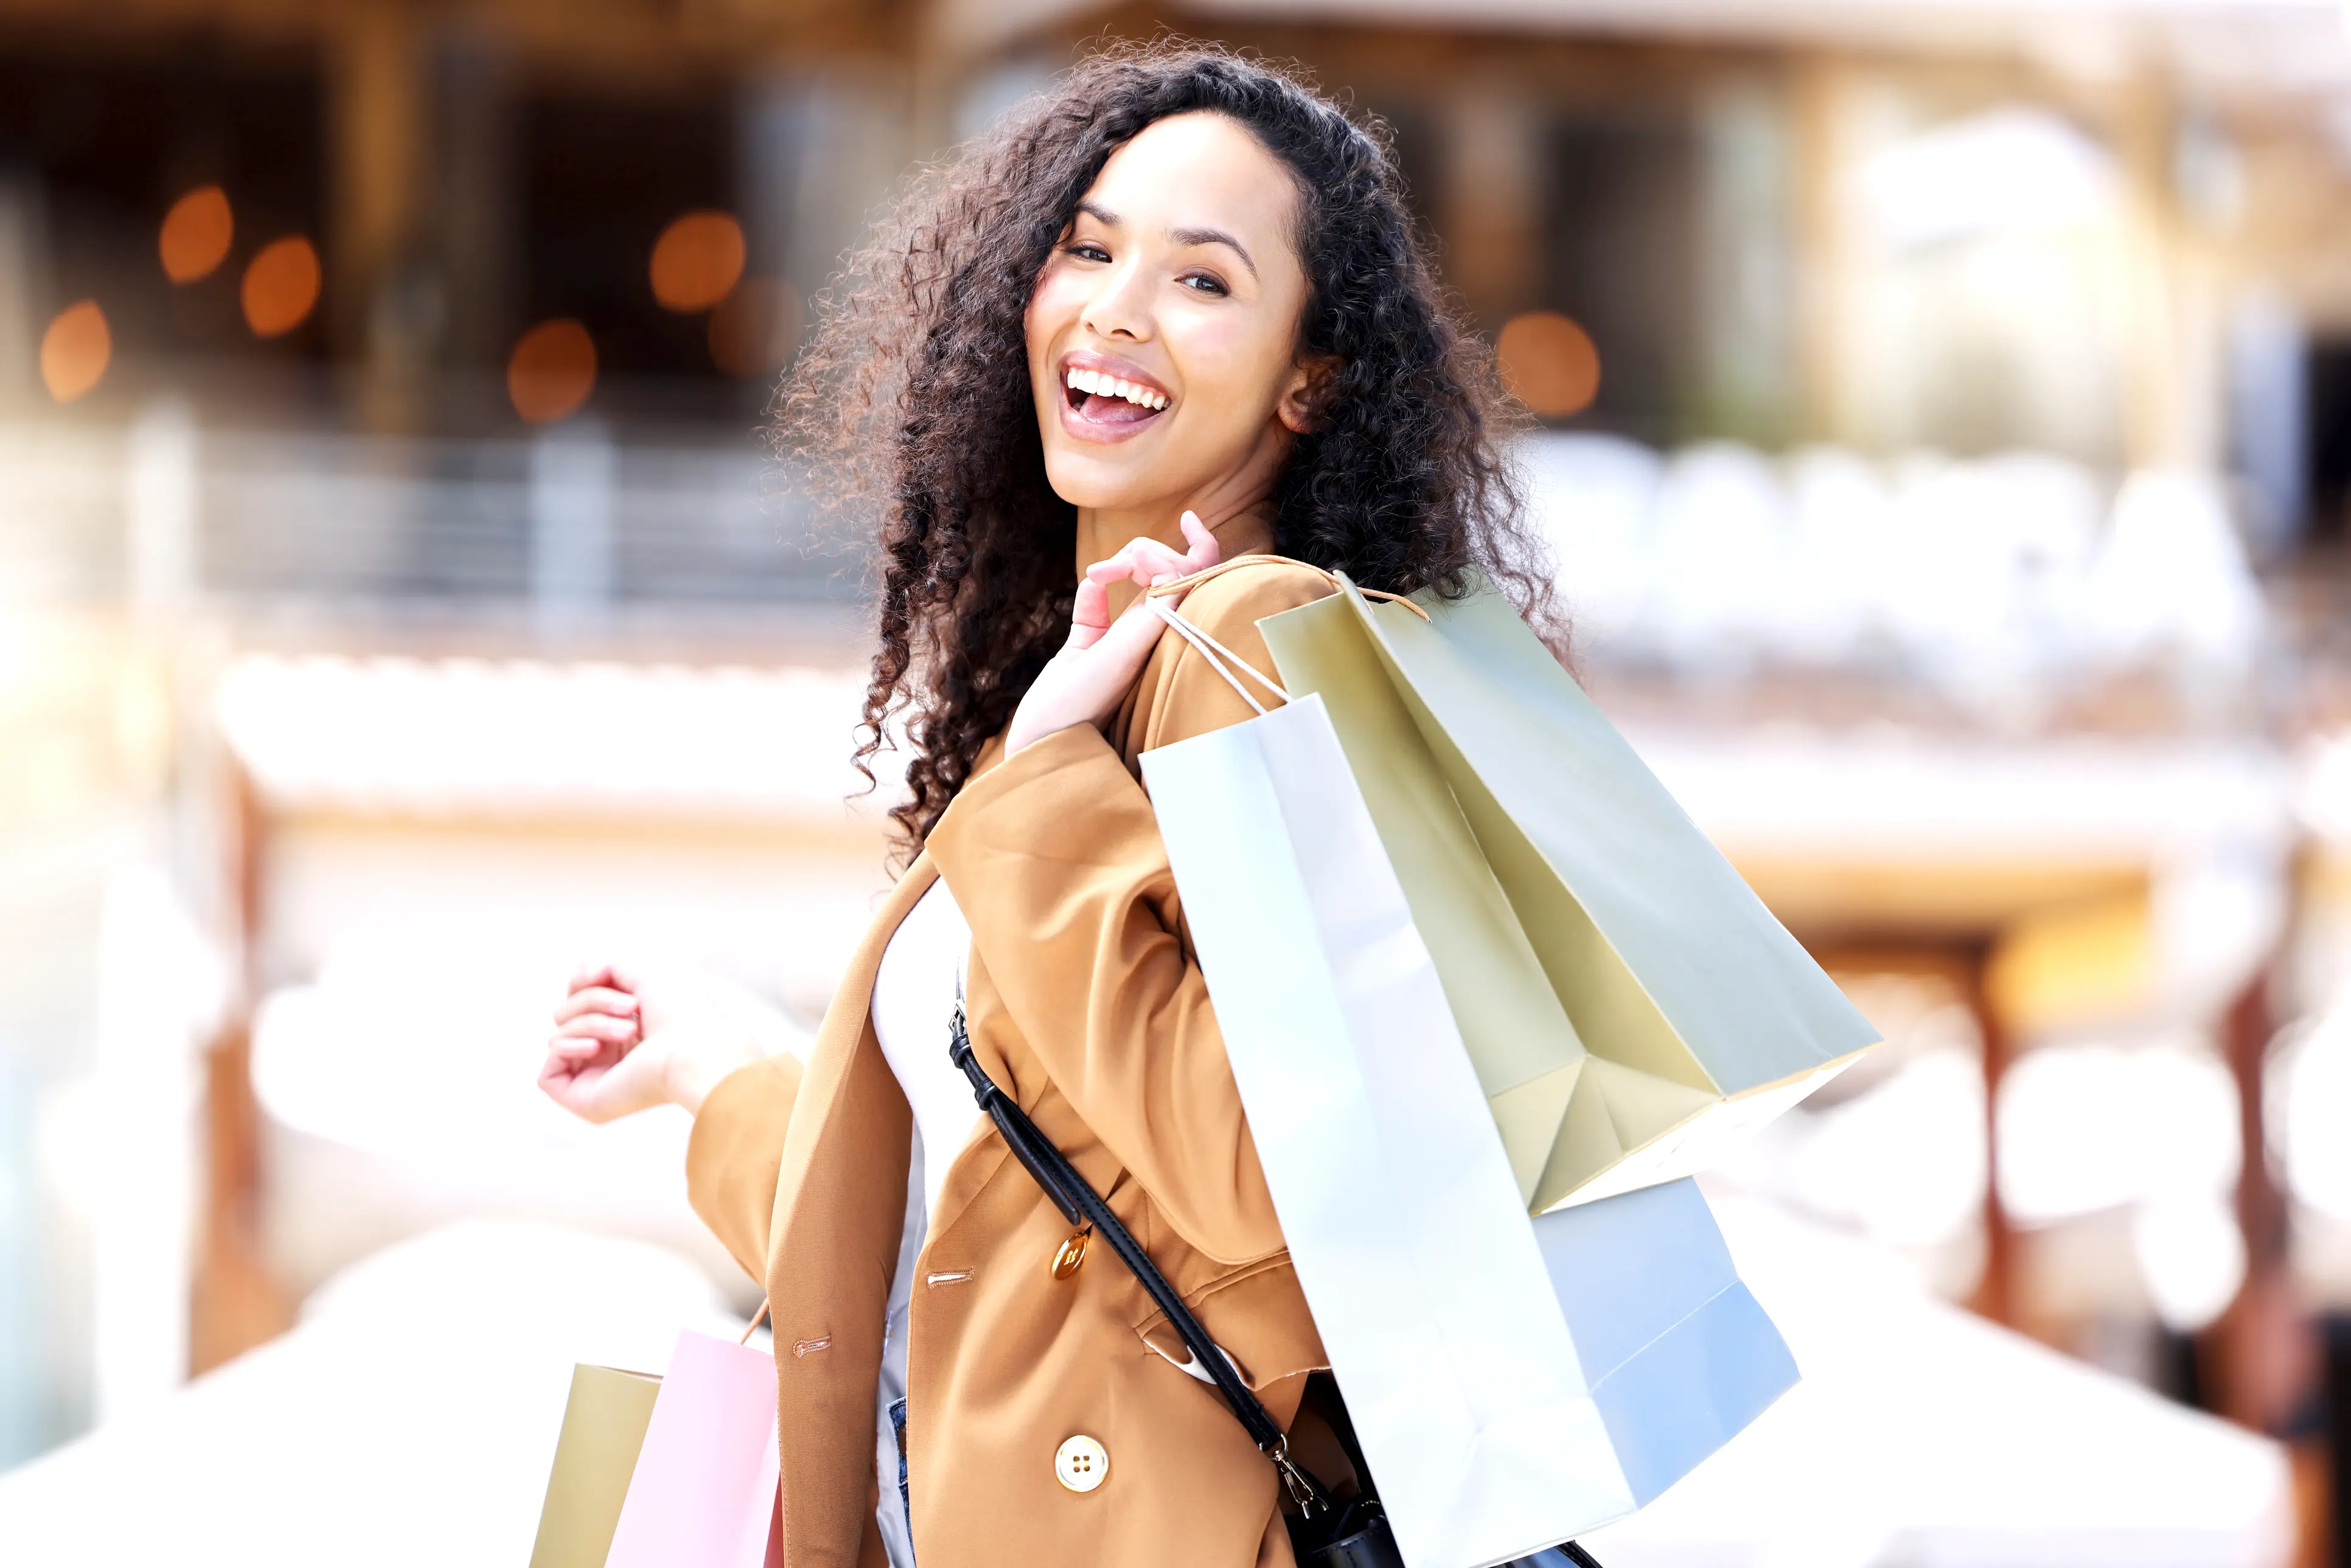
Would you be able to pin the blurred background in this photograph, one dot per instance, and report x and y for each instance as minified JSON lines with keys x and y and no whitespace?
{"x":1944,"y":440}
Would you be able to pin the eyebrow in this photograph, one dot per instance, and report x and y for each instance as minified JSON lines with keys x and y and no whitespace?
{"x":1109,"y":219}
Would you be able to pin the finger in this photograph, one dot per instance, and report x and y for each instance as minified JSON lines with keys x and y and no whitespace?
{"x":554,"y":1076}
{"x":1205,"y":552}
{"x":575,"y":1047}
{"x":563,"y":1065}
{"x":1136,"y":565}
{"x":1120,"y":651}
{"x":600,"y":1027}
{"x":1089,"y":615}
{"x":572,"y":1090}
{"x":1143,"y":559}
{"x":611,"y":975}
{"x":600,"y":1091}
{"x":596,"y":999}
{"x":568,"y":1064}
{"x":1122,"y":561}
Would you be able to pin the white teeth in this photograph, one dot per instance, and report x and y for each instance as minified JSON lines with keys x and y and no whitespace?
{"x":1096,"y":384}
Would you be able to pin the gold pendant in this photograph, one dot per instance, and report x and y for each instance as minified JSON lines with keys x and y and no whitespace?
{"x":1071,"y":1253}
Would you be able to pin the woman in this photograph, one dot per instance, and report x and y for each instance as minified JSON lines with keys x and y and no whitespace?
{"x":1167,"y":318}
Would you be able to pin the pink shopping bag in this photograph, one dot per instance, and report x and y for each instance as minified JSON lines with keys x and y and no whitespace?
{"x":704,"y":1493}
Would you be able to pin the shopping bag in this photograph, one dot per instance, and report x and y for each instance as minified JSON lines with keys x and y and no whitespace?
{"x":604,"y":1427}
{"x":1630,"y":1005}
{"x":1513,"y":1381}
{"x":704,"y":1493}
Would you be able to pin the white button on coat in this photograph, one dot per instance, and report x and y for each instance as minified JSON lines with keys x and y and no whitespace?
{"x":1081,"y":1463}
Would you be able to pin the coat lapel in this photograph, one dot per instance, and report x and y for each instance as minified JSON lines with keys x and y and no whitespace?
{"x":840,"y":1203}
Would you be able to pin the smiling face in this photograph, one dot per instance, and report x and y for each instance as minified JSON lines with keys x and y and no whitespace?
{"x":1163,"y":336}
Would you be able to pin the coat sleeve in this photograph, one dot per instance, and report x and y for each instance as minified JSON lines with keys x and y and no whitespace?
{"x":1056,"y":861}
{"x":732,"y":1157}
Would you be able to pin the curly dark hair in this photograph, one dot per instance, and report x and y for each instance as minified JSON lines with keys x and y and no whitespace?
{"x":913,"y":399}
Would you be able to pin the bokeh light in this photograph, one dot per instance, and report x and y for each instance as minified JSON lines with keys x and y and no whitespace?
{"x":281,"y":286}
{"x":698,"y":260}
{"x":552,"y":371}
{"x":74,"y":350}
{"x":197,"y":234}
{"x":1550,"y":364}
{"x":756,"y":328}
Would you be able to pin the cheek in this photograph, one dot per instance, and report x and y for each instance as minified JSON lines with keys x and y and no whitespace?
{"x":1232,"y":365}
{"x":1051,"y":308}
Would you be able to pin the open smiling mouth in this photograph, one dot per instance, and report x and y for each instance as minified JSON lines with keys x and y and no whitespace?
{"x":1099,"y":399}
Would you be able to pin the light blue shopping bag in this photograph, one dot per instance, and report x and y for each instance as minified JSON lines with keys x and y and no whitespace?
{"x":1679,"y":1356}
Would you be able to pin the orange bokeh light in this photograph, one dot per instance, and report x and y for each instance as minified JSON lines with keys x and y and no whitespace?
{"x":197,"y":234}
{"x":1550,"y":364}
{"x":698,"y":260}
{"x":552,"y":371}
{"x":754,"y":328}
{"x":74,"y":350}
{"x":281,"y":286}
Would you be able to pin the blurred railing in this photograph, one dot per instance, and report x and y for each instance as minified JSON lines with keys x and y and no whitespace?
{"x":2022,"y":589}
{"x":562,"y":527}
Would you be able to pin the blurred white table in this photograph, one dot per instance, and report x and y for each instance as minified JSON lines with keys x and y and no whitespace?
{"x":1924,"y":1437}
{"x":412,"y":1418}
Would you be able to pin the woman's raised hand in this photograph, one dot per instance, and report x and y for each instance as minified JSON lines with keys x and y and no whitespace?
{"x":1086,"y":681}
{"x":624,"y":1041}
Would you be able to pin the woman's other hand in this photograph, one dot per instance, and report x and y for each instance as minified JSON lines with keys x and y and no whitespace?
{"x":624,"y":1041}
{"x":1086,"y":681}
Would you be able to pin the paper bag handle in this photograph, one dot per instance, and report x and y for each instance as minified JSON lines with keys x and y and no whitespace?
{"x":1185,"y":584}
{"x":1209,"y":648}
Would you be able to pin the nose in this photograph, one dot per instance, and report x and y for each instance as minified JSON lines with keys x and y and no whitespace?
{"x":1121,"y":306}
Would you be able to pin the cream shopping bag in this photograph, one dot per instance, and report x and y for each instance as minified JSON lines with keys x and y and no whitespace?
{"x":604,"y":1427}
{"x":1630,"y":1005}
{"x":1514,"y":1382}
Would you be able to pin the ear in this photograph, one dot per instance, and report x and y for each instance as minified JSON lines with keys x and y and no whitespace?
{"x":1304,"y":400}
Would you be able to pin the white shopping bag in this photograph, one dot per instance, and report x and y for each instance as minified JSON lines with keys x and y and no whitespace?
{"x":1514,"y":1382}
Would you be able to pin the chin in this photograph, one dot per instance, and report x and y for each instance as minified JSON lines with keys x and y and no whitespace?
{"x":1101,"y":486}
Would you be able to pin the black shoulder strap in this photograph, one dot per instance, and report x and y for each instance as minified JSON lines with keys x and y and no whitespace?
{"x":1082,"y":1206}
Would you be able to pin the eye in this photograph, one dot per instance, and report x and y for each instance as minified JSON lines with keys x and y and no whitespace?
{"x":1207,"y":283}
{"x":1086,"y":250}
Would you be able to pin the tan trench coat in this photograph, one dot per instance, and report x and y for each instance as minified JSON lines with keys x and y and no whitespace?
{"x":1086,"y":1003}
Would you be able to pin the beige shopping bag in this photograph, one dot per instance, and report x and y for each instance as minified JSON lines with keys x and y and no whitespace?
{"x":1629,"y":1004}
{"x":603,"y":1428}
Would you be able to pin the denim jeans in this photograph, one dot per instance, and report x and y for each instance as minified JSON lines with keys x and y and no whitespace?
{"x":906,"y":1500}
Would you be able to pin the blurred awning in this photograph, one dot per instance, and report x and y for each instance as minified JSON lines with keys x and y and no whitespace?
{"x":522,"y":738}
{"x":2275,"y":43}
{"x":1943,"y":837}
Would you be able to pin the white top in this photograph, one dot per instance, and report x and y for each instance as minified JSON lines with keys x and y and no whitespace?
{"x":913,"y":1000}
{"x":914,"y":995}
